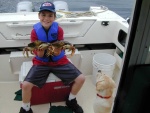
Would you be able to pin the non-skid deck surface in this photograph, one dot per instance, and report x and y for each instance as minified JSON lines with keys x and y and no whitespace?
{"x":85,"y":98}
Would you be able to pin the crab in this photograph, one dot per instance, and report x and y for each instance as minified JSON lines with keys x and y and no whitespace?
{"x":57,"y":45}
{"x":49,"y":47}
{"x":62,"y":45}
{"x":33,"y":46}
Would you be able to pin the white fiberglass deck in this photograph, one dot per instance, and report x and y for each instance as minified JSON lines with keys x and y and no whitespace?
{"x":8,"y":105}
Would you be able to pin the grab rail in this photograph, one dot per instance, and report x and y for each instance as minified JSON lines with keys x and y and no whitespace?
{"x":17,"y":24}
{"x":26,"y":24}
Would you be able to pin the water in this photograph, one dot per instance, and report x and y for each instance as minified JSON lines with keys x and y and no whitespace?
{"x":121,"y":7}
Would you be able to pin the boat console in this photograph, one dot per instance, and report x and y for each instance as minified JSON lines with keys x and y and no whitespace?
{"x":91,"y":32}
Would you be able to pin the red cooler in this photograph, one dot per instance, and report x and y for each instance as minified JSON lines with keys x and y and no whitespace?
{"x":53,"y":91}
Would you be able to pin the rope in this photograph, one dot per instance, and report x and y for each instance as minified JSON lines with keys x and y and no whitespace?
{"x":93,"y":12}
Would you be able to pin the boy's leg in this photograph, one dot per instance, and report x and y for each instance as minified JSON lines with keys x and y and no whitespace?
{"x":26,"y":96}
{"x":71,"y":101}
{"x":36,"y":76}
{"x":69,"y":73}
{"x":77,"y":84}
{"x":26,"y":91}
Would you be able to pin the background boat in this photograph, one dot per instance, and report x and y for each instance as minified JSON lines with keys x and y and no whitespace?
{"x":121,"y":7}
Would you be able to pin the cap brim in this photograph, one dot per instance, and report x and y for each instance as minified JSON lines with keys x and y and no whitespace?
{"x":46,"y":9}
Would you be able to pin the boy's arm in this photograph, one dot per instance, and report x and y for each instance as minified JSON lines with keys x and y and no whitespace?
{"x":60,"y":33}
{"x":33,"y":36}
{"x":39,"y":52}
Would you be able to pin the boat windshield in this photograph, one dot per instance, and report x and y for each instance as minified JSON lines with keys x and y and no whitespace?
{"x":121,"y":7}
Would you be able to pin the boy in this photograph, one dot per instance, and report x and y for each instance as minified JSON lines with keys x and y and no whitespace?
{"x":48,"y":31}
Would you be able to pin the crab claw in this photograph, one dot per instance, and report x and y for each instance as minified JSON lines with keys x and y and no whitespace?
{"x":50,"y":51}
{"x":70,"y":48}
{"x":27,"y":54}
{"x":25,"y":51}
{"x":43,"y":46}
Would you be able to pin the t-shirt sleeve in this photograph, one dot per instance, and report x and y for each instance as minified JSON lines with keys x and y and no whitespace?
{"x":33,"y":36}
{"x":60,"y":33}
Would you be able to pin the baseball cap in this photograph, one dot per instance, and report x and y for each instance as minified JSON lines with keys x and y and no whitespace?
{"x":49,"y":6}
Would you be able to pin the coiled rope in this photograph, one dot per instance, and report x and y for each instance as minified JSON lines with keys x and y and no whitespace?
{"x":74,"y":14}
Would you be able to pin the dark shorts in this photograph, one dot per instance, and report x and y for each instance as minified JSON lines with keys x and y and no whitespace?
{"x":38,"y":74}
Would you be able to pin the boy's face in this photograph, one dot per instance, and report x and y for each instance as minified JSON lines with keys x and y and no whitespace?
{"x":46,"y":18}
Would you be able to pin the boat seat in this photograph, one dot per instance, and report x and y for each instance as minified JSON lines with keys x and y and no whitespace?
{"x":53,"y":91}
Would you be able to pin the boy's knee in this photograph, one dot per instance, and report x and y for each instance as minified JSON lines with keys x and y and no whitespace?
{"x":27,"y":86}
{"x":81,"y":78}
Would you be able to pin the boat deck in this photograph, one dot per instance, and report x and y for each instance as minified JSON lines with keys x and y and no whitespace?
{"x":85,"y":98}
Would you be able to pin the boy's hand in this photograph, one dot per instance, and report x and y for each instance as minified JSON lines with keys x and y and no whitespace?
{"x":57,"y":51}
{"x":40,"y":52}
